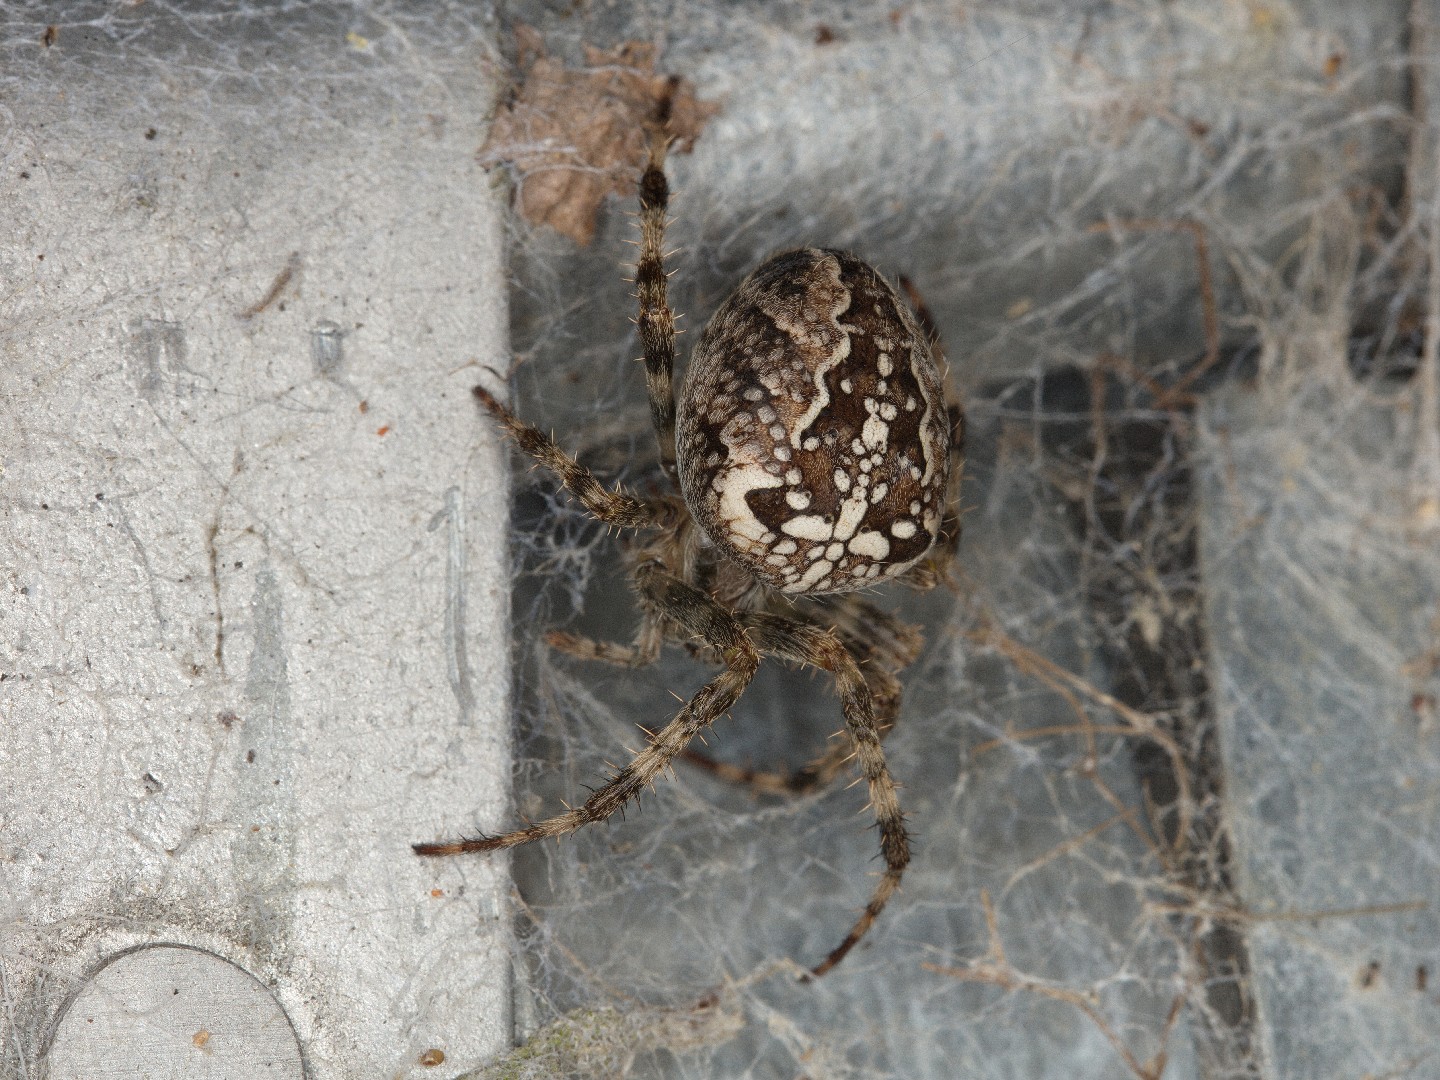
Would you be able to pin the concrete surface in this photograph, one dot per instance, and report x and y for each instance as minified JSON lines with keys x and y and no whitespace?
{"x":253,"y":632}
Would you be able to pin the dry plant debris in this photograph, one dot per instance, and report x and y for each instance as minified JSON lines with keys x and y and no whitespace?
{"x":603,"y":1043}
{"x":574,"y":135}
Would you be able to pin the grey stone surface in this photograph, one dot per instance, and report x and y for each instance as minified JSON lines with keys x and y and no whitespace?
{"x":168,"y":1011}
{"x":253,"y":538}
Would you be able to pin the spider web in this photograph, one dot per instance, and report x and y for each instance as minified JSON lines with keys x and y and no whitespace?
{"x":1170,"y":753}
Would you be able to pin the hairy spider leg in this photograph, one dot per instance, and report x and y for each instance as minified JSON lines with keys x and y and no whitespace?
{"x":643,"y":653}
{"x":882,"y":646}
{"x":656,"y":321}
{"x":701,"y":617}
{"x":801,"y":643}
{"x":617,"y":507}
{"x":935,"y":567}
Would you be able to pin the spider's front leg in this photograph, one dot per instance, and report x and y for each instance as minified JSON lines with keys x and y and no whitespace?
{"x":699,"y":616}
{"x":882,"y":647}
{"x":802,"y":643}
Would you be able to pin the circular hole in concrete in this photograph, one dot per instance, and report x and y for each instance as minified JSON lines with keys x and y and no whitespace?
{"x":173,"y":1011}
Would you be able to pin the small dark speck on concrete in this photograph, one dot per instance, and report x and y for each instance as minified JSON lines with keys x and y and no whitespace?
{"x":249,"y":757}
{"x":150,"y":133}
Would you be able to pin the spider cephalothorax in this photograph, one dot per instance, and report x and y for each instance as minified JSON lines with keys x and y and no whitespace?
{"x":814,"y":455}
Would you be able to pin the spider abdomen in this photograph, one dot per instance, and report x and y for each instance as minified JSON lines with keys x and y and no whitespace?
{"x":812,"y":437}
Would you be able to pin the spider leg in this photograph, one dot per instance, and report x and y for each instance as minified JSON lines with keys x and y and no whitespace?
{"x":882,"y":645}
{"x":885,"y":693}
{"x":935,"y":567}
{"x":943,"y":553}
{"x":618,"y":507}
{"x":712,"y":700}
{"x":701,"y":617}
{"x":641,"y":654}
{"x":802,"y":643}
{"x":875,"y":637}
{"x":656,"y":321}
{"x":653,"y":629}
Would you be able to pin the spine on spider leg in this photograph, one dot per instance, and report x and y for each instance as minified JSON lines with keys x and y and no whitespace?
{"x":656,"y":321}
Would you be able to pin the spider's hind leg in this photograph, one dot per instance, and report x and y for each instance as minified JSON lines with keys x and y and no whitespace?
{"x":934,"y":568}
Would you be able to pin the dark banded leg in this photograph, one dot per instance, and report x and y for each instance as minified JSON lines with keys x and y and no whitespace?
{"x":885,"y":693}
{"x":713,"y":700}
{"x":697,"y":615}
{"x":935,"y":567}
{"x":801,"y":643}
{"x":617,"y":507}
{"x":656,"y":321}
{"x":882,"y":646}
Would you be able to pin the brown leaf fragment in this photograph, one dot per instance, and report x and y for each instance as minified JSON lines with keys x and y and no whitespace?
{"x":574,"y":135}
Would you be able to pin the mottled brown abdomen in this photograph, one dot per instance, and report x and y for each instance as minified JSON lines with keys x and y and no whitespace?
{"x":812,"y":438}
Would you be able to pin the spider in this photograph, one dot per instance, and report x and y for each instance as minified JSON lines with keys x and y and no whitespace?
{"x":812,"y":451}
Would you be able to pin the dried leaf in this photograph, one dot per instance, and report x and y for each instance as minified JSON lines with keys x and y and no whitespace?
{"x":574,"y":135}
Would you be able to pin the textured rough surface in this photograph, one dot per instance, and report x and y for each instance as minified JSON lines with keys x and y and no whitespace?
{"x":253,"y":588}
{"x":813,"y":438}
